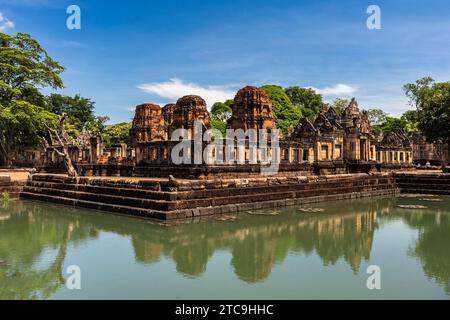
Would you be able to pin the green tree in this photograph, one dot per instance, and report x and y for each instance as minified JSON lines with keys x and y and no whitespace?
{"x":432,"y":102}
{"x":392,"y":123}
{"x":419,"y":92}
{"x":340,"y":104}
{"x":97,"y":125}
{"x":434,"y":113}
{"x":412,"y":119}
{"x":221,"y":111}
{"x":285,"y":112}
{"x":376,"y":118}
{"x":117,"y":133}
{"x":220,"y":126}
{"x":306,"y":99}
{"x":24,"y":67}
{"x":78,"y":109}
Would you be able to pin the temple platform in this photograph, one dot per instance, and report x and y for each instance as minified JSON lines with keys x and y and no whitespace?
{"x":169,"y":199}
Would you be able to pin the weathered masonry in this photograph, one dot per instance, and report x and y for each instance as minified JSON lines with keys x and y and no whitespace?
{"x":168,"y":199}
{"x":333,"y":143}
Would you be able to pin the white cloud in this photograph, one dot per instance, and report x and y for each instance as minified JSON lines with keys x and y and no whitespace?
{"x":176,"y":88}
{"x":340,"y":89}
{"x":5,"y":23}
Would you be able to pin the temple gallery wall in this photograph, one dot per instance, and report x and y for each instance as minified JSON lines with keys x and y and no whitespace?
{"x":331,"y":144}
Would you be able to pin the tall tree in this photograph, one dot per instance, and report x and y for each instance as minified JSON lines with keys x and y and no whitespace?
{"x":376,"y":118}
{"x":286,"y":113}
{"x":117,"y":133}
{"x":221,"y":111}
{"x":306,"y":99}
{"x":24,"y":67}
{"x":64,"y":141}
{"x":419,"y":91}
{"x":412,"y":119}
{"x":340,"y":104}
{"x":432,"y":102}
{"x":78,"y":109}
{"x":392,"y":123}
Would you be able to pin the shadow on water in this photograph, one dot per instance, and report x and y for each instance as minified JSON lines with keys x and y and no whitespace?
{"x":345,"y":231}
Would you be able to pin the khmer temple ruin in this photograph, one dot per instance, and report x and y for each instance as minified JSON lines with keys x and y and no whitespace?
{"x":331,"y":157}
{"x":332,"y":143}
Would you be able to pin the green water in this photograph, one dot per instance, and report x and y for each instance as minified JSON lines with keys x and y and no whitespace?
{"x":290,"y":255}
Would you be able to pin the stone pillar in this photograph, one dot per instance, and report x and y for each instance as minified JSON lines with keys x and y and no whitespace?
{"x":240,"y":154}
{"x":253,"y":154}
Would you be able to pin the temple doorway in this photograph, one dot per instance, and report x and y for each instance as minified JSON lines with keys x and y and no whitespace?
{"x":362,"y":149}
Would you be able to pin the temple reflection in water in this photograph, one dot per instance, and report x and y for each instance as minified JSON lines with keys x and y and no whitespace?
{"x":256,"y":243}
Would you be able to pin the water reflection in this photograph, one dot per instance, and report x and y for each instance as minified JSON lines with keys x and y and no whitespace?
{"x":29,"y":231}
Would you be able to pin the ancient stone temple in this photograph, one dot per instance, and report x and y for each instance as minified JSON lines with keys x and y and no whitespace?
{"x":332,"y":143}
{"x":426,"y":153}
{"x":359,"y":141}
{"x":395,"y":149}
{"x":252,"y":109}
{"x":148,"y":124}
{"x":167,"y":112}
{"x":187,"y":111}
{"x":323,"y":141}
{"x":85,"y":149}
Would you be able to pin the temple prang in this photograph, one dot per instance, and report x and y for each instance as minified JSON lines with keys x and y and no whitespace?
{"x":251,"y":109}
{"x":187,"y":111}
{"x":148,"y":124}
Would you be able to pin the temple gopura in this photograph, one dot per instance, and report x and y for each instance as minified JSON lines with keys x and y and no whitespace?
{"x":331,"y":144}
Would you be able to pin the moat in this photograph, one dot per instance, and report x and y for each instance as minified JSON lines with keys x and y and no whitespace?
{"x":270,"y":254}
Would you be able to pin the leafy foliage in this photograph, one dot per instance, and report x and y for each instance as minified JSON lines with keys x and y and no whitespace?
{"x":116,"y":133}
{"x":285,"y":112}
{"x":221,"y":111}
{"x":435,"y":113}
{"x":306,"y":99}
{"x":221,"y":126}
{"x":24,"y":68}
{"x":78,"y":109}
{"x":340,"y":104}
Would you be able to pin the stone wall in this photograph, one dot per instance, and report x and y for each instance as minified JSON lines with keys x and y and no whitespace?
{"x":169,"y":199}
{"x":427,"y":183}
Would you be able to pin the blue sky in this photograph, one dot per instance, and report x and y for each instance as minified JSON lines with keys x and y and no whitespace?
{"x":130,"y":52}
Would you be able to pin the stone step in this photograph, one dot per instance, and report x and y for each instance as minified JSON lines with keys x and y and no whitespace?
{"x":114,"y":191}
{"x":217,"y":210}
{"x":445,"y":181}
{"x":428,"y":186}
{"x":124,"y":210}
{"x":159,"y":205}
{"x":426,"y":191}
{"x":162,"y":205}
{"x":215,"y":193}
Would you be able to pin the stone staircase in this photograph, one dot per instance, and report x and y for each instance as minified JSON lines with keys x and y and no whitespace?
{"x":166,"y":199}
{"x":432,"y":183}
{"x":12,"y":188}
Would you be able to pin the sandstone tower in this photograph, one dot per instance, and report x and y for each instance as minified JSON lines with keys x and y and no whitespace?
{"x":252,"y":109}
{"x":188,"y":110}
{"x":148,"y":124}
{"x":167,"y":112}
